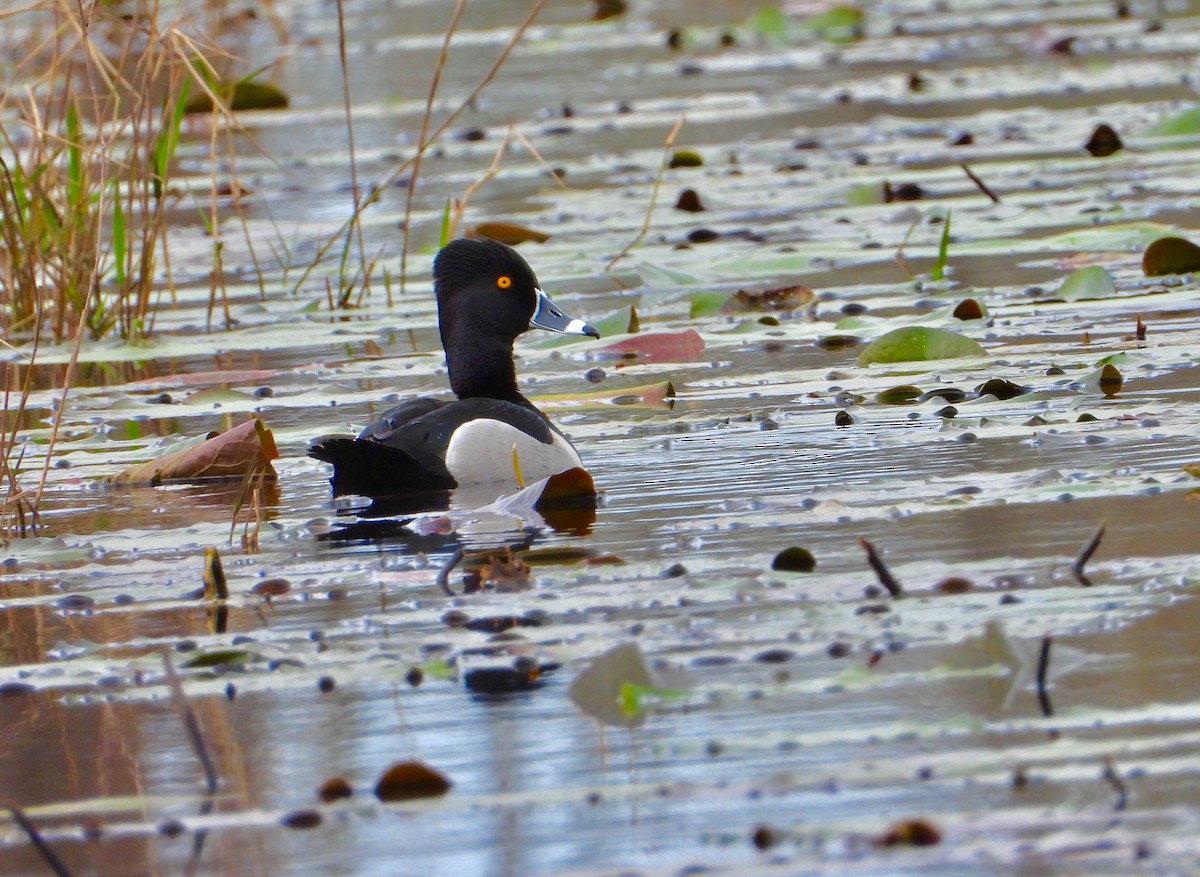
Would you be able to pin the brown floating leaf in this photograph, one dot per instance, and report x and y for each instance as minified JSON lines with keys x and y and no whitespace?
{"x":567,"y":489}
{"x":276,"y":587}
{"x":911,"y":833}
{"x":690,"y":201}
{"x":903,"y":192}
{"x":244,"y":449}
{"x":968,"y":309}
{"x":334,"y":789}
{"x":794,"y":559}
{"x":1192,"y":469}
{"x":407,"y":780}
{"x":602,"y":9}
{"x":1001,"y":389}
{"x":1104,"y":141}
{"x":1111,"y":380}
{"x":507,"y":233}
{"x":244,"y":95}
{"x":1170,"y":255}
{"x":301,"y":819}
{"x":779,"y":298}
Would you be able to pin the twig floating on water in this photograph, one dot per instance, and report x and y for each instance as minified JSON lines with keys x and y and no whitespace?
{"x":190,"y":724}
{"x":881,"y":571}
{"x":983,"y":187}
{"x":1085,"y":553}
{"x":36,"y":839}
{"x":443,"y":576}
{"x":1042,"y":671}
{"x":1113,"y":778}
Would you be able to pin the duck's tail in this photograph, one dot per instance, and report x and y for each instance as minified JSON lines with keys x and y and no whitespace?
{"x":368,"y":468}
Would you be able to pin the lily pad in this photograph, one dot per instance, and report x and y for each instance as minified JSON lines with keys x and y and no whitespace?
{"x":1187,"y":122}
{"x":1170,"y":255}
{"x":1088,"y":283}
{"x":919,"y":344}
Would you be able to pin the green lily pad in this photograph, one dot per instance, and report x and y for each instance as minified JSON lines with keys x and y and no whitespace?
{"x":705,"y":303}
{"x":1090,"y":282}
{"x":1187,"y":122}
{"x":919,"y":344}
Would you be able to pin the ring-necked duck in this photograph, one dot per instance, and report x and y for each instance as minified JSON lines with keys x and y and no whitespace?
{"x":487,"y":295}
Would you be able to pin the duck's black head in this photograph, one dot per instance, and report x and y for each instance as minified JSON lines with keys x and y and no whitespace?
{"x":487,"y":295}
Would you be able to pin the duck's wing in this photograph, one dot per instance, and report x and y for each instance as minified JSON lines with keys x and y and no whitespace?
{"x":410,"y":456}
{"x":370,"y":468}
{"x":400,"y":416}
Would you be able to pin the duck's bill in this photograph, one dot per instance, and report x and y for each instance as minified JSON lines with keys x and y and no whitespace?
{"x":550,"y":316}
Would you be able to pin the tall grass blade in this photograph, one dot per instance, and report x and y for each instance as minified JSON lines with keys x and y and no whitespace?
{"x":939,"y":267}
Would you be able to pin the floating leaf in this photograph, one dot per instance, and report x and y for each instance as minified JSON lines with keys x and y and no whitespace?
{"x":794,"y":559}
{"x":969,"y":309}
{"x":222,"y":657}
{"x":778,"y":298}
{"x":1103,"y":142}
{"x":1088,"y":283}
{"x":769,"y":21}
{"x":837,"y":24}
{"x":910,"y":833}
{"x":685,"y":346}
{"x":1170,"y":255}
{"x":664,"y":277}
{"x":1187,"y":122}
{"x":1000,"y":389}
{"x":646,"y":394}
{"x":706,"y":303}
{"x":902,"y":395}
{"x":242,"y":95}
{"x":407,"y":780}
{"x":685,"y":158}
{"x":919,"y":344}
{"x":689,"y":201}
{"x":247,"y":448}
{"x":507,"y":233}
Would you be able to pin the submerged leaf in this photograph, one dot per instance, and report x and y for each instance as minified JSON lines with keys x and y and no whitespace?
{"x":614,"y":687}
{"x":919,"y":344}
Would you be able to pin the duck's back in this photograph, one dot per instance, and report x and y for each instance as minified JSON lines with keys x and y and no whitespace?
{"x":426,"y":444}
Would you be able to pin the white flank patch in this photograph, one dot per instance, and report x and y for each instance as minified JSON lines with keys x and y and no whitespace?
{"x":481,"y":452}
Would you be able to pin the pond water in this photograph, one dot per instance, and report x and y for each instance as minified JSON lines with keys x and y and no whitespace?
{"x":805,"y":715}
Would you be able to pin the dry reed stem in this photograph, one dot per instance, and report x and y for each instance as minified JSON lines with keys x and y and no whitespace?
{"x":460,"y":204}
{"x":397,"y":172}
{"x":443,"y":53}
{"x":362,"y":249}
{"x":662,"y":169}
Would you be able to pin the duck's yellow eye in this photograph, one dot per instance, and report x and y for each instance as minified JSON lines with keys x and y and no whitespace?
{"x":504,"y":282}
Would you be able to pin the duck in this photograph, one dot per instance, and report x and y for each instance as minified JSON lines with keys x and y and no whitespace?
{"x":490,"y":433}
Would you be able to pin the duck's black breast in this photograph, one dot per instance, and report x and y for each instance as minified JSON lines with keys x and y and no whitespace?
{"x":405,"y":450}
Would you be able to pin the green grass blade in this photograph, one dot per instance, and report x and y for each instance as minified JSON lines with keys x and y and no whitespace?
{"x":74,"y":159}
{"x":939,"y":268}
{"x":120,"y":242}
{"x":444,"y":234}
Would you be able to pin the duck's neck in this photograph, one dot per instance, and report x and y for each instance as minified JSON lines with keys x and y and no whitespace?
{"x":481,"y":369}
